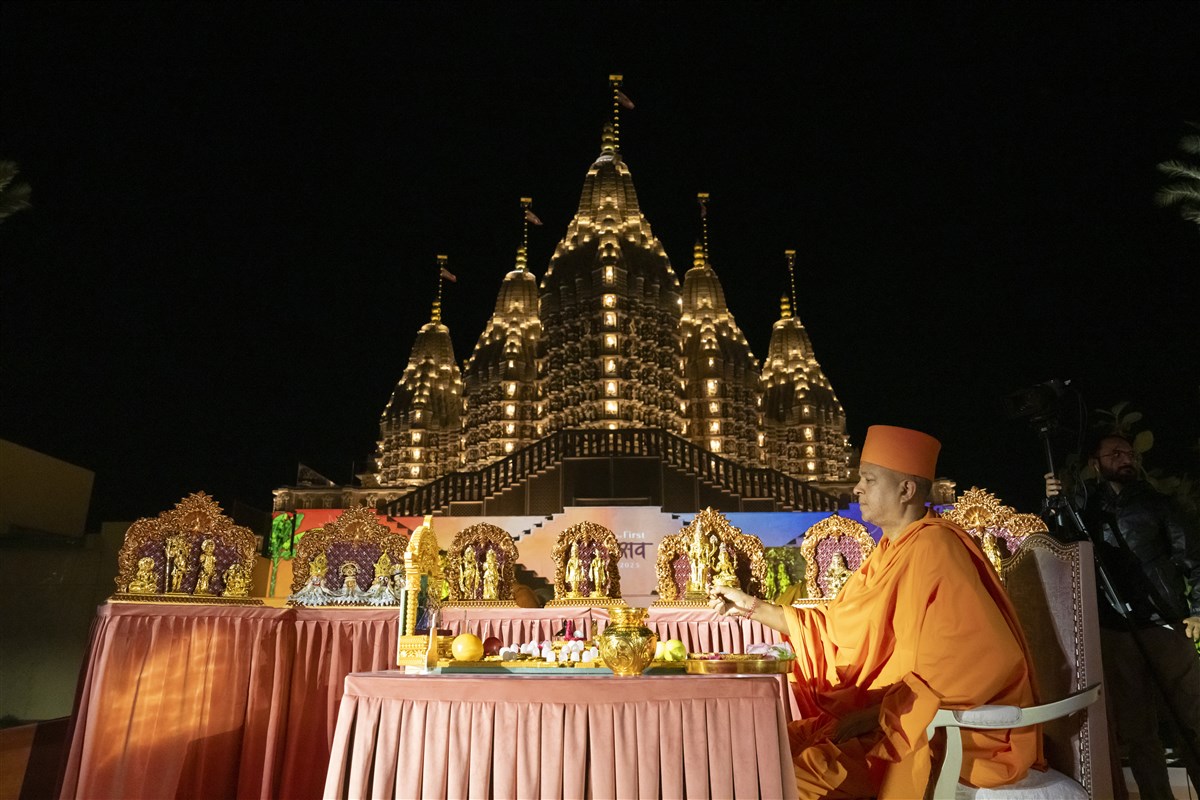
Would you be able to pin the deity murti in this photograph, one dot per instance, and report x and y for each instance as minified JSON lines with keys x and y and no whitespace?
{"x":726,"y":571}
{"x":208,"y":565}
{"x":574,"y":575}
{"x":491,"y":577}
{"x":700,"y":555}
{"x":145,"y":582}
{"x":468,"y":577}
{"x":598,"y":572}
{"x":836,"y":575}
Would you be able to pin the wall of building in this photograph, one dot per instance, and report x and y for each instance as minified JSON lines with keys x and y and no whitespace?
{"x":46,"y":613}
{"x":42,"y":494}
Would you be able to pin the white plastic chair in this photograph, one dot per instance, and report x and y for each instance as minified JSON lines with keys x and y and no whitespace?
{"x":1051,"y":784}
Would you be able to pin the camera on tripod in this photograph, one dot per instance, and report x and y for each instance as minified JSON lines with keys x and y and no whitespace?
{"x":1038,"y":404}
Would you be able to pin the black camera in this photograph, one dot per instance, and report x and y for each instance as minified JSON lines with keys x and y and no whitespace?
{"x":1039,"y":403}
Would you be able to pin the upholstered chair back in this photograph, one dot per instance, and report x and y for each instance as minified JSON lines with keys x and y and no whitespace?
{"x":1053,"y":587}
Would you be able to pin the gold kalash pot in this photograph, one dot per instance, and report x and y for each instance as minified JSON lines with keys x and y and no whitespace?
{"x":627,"y":645}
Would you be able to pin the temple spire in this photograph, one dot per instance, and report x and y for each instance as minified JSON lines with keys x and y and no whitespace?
{"x":785,"y":308}
{"x":702,"y":199}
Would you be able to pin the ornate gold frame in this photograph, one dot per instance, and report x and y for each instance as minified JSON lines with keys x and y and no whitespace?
{"x":356,"y":526}
{"x":482,"y":536}
{"x":747,"y":546}
{"x":598,"y":536}
{"x":831,"y":527}
{"x":194,"y":519}
{"x":981,"y":514}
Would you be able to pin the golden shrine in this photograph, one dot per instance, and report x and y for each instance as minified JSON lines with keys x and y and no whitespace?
{"x":708,"y":551}
{"x":586,"y":559}
{"x":191,"y":554}
{"x":481,"y":567}
{"x":999,"y":528}
{"x":352,"y":561}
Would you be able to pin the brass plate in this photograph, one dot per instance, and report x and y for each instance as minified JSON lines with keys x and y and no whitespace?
{"x":737,"y":664}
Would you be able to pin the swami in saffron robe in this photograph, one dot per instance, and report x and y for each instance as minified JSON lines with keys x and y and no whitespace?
{"x":923,"y":623}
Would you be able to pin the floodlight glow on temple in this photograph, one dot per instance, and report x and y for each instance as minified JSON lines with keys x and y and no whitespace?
{"x":607,"y":340}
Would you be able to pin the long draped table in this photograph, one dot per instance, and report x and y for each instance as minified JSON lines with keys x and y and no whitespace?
{"x":241,"y":702}
{"x":506,"y":736}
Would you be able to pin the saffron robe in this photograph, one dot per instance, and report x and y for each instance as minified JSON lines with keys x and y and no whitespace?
{"x":923,"y":623}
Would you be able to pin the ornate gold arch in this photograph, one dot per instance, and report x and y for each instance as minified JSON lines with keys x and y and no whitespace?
{"x":981,"y":514}
{"x":357,"y":531}
{"x":749,"y":550}
{"x":482,"y":536}
{"x":852,"y":540}
{"x":194,"y":519}
{"x":599,"y":538}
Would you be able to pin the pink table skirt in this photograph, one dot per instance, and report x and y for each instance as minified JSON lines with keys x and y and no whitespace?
{"x":698,"y":628}
{"x":410,"y":736}
{"x":241,"y":702}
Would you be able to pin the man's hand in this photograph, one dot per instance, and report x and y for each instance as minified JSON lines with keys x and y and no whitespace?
{"x":1053,"y":485}
{"x":729,"y":602}
{"x":857,"y":723}
{"x":1191,"y":626}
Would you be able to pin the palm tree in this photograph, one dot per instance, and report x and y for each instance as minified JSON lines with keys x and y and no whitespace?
{"x":1185,"y":191}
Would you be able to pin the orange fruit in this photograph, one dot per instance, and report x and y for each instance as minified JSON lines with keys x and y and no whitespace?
{"x":467,"y":647}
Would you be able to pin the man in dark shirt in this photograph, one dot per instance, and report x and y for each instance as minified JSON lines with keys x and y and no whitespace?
{"x":1152,"y":557}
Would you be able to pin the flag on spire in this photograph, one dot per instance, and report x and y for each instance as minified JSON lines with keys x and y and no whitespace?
{"x":448,"y":275}
{"x":624,"y":100}
{"x":532,"y":218}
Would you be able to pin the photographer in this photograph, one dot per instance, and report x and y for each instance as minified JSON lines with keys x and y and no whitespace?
{"x":1152,"y":558}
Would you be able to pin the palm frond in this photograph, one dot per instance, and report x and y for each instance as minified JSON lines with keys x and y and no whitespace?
{"x":8,"y":171}
{"x":1190,"y":144}
{"x":14,"y":199}
{"x":1180,"y":169}
{"x":1177,"y":193}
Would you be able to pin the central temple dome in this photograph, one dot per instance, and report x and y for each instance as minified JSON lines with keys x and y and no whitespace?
{"x":610,"y":305}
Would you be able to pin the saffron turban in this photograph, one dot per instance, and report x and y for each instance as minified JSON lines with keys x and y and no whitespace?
{"x":902,"y":449}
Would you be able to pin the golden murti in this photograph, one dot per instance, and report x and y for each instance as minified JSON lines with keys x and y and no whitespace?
{"x":598,"y":571}
{"x":574,"y":575}
{"x":491,"y":577}
{"x":836,"y":575}
{"x":700,"y":556}
{"x":726,"y":570}
{"x":145,"y":582}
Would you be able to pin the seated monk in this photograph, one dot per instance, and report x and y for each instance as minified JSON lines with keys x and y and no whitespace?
{"x":923,"y":623}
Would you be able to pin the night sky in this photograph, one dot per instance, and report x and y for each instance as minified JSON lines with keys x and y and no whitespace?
{"x":237,"y":209}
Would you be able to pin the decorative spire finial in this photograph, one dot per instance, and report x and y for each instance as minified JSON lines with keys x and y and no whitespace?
{"x":791,"y":262}
{"x":614,"y":82}
{"x":698,"y":255}
{"x":785,"y":308}
{"x":702,"y":199}
{"x":526,"y":202}
{"x":436,"y":315}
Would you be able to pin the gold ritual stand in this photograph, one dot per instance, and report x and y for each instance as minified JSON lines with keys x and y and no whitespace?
{"x":421,"y":567}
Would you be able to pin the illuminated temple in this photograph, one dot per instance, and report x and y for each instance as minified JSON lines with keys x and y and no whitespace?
{"x":607,"y":382}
